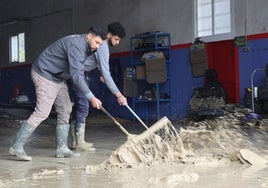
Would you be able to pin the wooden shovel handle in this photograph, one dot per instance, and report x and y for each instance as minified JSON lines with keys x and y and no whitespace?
{"x":115,"y":121}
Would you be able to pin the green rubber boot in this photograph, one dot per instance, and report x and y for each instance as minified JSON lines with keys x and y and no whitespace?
{"x":81,"y":144}
{"x":22,"y":136}
{"x":72,"y":135}
{"x":62,"y":138}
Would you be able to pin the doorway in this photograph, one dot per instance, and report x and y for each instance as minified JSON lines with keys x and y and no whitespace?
{"x":223,"y":57}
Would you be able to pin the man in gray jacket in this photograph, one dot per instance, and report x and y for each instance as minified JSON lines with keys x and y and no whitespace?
{"x":62,"y":60}
{"x":100,"y":60}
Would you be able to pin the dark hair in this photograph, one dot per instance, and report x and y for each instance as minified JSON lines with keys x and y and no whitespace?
{"x":117,"y":28}
{"x":98,"y":31}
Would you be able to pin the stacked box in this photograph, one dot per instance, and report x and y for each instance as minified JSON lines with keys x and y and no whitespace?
{"x":156,"y":70}
{"x":128,"y":84}
{"x":140,"y":72}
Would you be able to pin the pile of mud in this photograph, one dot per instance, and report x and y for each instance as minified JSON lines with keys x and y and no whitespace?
{"x":214,"y":140}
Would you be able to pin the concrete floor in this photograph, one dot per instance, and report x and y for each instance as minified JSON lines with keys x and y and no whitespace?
{"x":47,"y":171}
{"x":41,"y":146}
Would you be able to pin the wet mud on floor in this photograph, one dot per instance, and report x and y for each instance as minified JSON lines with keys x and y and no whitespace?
{"x":211,"y":146}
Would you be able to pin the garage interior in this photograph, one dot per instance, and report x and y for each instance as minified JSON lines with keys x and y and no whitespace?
{"x":212,"y":88}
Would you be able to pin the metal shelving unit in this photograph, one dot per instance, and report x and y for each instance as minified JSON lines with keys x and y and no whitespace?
{"x":160,"y":104}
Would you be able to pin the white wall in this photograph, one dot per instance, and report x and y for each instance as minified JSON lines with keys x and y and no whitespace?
{"x":251,"y":17}
{"x":51,"y":19}
{"x":173,"y":16}
{"x":139,"y":16}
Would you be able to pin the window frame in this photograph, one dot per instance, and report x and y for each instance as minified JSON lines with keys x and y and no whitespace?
{"x":214,"y":37}
{"x":19,"y":48}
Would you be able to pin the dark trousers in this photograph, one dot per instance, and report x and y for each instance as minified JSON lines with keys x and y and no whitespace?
{"x":81,"y":104}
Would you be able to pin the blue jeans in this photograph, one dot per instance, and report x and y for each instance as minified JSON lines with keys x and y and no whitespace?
{"x":81,"y":104}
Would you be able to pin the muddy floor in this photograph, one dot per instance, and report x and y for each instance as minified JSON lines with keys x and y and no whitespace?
{"x":211,"y":147}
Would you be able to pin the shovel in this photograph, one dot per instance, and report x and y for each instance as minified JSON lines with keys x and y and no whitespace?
{"x":136,"y":116}
{"x":160,"y":126}
{"x":157,"y":143}
{"x":116,"y":122}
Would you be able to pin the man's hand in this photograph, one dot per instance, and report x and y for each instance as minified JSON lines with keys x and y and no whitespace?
{"x":102,"y":79}
{"x":121,"y":99}
{"x":95,"y":102}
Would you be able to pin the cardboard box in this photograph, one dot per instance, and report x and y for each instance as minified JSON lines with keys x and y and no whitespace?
{"x":199,"y":69}
{"x":140,"y":72}
{"x":198,"y":59}
{"x":156,"y":70}
{"x":128,"y":87}
{"x":198,"y":54}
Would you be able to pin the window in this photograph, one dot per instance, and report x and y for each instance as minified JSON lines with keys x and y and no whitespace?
{"x":17,"y":48}
{"x":213,"y":19}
